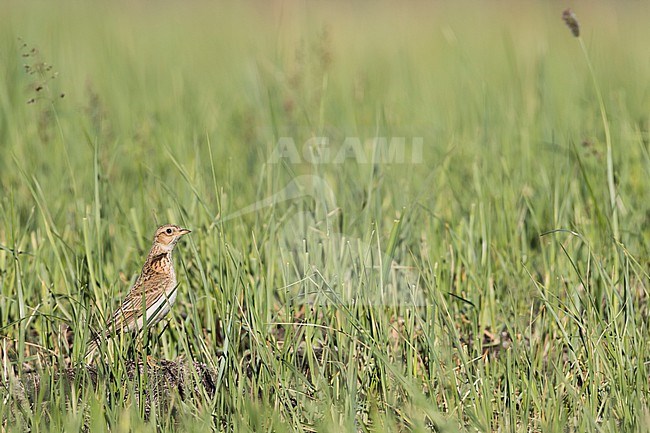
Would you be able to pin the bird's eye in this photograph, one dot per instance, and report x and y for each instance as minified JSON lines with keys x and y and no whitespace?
{"x":168,"y":231}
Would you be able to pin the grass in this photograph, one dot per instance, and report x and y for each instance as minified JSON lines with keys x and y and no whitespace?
{"x":499,"y":281}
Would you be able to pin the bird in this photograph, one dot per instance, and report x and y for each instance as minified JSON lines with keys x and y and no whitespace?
{"x":153,"y":293}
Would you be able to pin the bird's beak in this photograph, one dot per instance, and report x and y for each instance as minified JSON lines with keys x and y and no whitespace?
{"x":185,"y":231}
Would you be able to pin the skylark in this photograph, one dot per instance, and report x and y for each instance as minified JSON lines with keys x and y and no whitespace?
{"x":153,"y":293}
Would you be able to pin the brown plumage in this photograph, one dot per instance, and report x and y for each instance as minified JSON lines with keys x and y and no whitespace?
{"x":154,"y":291}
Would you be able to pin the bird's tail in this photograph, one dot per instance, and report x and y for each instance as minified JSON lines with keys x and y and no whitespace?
{"x":93,"y":345}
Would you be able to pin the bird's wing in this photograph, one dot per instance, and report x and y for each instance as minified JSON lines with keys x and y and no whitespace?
{"x":132,"y":308}
{"x":150,"y":285}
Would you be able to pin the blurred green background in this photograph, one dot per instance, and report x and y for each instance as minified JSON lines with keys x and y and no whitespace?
{"x":491,"y":89}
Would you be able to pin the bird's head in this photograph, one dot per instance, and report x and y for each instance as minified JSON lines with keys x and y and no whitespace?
{"x":167,"y":235}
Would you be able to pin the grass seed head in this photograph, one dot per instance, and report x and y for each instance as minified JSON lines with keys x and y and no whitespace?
{"x":571,"y":21}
